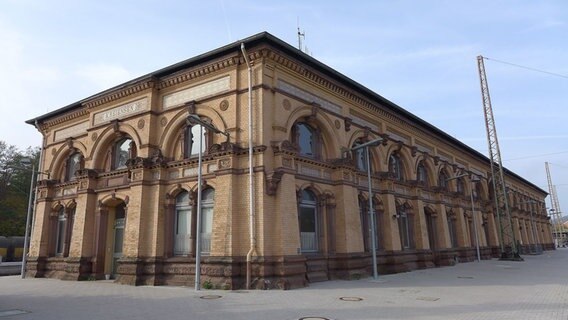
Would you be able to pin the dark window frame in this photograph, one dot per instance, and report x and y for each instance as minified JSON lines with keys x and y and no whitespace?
{"x":309,"y":204}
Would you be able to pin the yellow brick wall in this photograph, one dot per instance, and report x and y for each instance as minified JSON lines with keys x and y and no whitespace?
{"x":274,"y":113}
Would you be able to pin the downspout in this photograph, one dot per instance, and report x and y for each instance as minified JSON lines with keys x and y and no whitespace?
{"x":251,"y":174}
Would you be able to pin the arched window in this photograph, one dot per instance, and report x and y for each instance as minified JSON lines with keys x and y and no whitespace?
{"x":443,"y":180}
{"x":308,"y":221}
{"x":60,"y":233}
{"x":123,"y":150}
{"x":422,"y":174}
{"x":360,"y":156}
{"x":182,"y":228}
{"x":308,"y":140}
{"x":207,"y":204}
{"x":192,"y":143}
{"x":395,"y":167}
{"x":73,"y":163}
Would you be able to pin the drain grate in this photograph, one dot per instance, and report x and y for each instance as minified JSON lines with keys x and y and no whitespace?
{"x":210,"y":297}
{"x":464,"y":277}
{"x":15,"y":312}
{"x":351,"y":299}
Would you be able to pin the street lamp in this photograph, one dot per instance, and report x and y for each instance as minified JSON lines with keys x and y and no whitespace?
{"x":28,"y":162}
{"x":472,"y":212}
{"x":195,"y":119}
{"x":366,"y":145}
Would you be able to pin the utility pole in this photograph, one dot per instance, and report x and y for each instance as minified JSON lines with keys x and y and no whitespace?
{"x":555,"y":212}
{"x":509,"y":250}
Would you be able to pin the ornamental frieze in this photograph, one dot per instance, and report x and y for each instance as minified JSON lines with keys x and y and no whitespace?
{"x":197,"y":92}
{"x":121,"y":111}
{"x":72,"y":131}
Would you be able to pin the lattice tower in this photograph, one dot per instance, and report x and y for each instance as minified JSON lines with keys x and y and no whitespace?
{"x":507,"y":241}
{"x":555,"y":212}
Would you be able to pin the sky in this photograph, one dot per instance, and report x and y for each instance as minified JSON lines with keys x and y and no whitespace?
{"x":420,"y":55}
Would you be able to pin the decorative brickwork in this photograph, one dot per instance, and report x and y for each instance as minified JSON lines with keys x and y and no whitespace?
{"x":135,"y":194}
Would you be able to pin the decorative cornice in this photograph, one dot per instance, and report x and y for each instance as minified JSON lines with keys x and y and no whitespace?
{"x":376,"y":108}
{"x":64,"y":118}
{"x":120,"y":93}
{"x":196,"y":72}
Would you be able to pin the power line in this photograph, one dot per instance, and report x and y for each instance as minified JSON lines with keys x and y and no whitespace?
{"x":528,"y":68}
{"x":538,"y":156}
{"x":557,"y":165}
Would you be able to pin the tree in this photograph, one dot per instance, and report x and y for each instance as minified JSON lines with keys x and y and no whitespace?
{"x":14,"y":188}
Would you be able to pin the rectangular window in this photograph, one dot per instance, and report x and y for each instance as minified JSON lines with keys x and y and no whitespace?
{"x":404,"y":231}
{"x":183,"y":232}
{"x":206,"y":228}
{"x":452,"y":231}
{"x":308,"y":234}
{"x":60,"y":241}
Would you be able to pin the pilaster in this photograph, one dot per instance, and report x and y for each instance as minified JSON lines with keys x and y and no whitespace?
{"x":443,"y":234}
{"x":420,"y":226}
{"x":390,"y":225}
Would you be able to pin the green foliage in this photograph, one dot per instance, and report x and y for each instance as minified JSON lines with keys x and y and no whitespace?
{"x":14,"y":188}
{"x":207,"y":284}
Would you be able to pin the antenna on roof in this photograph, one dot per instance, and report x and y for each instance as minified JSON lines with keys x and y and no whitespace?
{"x":300,"y":36}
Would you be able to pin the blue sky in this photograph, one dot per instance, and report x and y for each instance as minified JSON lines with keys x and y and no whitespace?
{"x":419,"y":54}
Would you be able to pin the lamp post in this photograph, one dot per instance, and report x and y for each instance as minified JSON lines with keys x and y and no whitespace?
{"x":28,"y":162}
{"x":366,"y":145}
{"x":27,"y":232}
{"x":195,"y":119}
{"x":472,"y":213}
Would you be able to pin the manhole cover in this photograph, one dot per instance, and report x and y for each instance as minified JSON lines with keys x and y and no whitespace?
{"x":313,"y":318}
{"x":210,"y":297}
{"x":15,"y":312}
{"x":351,"y":299}
{"x":464,"y":277}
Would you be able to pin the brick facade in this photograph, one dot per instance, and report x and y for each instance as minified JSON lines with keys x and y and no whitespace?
{"x":418,"y":222}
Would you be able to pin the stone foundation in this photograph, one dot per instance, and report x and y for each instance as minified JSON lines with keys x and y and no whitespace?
{"x":272,"y":272}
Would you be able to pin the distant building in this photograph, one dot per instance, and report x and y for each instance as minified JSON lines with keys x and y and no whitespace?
{"x":122,"y":191}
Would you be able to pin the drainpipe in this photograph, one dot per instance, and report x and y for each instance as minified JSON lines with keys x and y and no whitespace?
{"x":251,"y":174}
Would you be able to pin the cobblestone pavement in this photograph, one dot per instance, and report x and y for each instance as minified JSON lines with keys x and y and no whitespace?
{"x":534,"y":289}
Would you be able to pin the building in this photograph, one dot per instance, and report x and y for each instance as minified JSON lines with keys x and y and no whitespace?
{"x":121,"y":195}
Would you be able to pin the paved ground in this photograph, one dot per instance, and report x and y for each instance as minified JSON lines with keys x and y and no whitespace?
{"x":534,"y":289}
